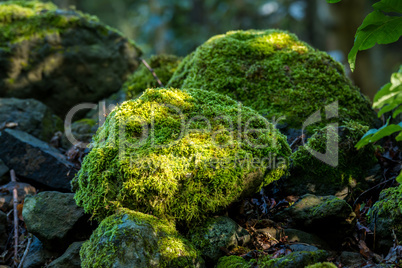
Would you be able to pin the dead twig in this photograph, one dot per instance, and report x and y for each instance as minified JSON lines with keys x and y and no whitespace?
{"x":15,"y":203}
{"x":26,"y":251}
{"x":153,"y":72}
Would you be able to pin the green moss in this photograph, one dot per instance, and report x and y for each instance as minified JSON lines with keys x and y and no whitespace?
{"x":294,"y":259}
{"x":106,"y":242}
{"x":232,"y":262}
{"x":352,"y":164}
{"x":25,"y":20}
{"x":171,"y":170}
{"x":322,"y":265}
{"x":163,"y":65}
{"x":274,"y":73}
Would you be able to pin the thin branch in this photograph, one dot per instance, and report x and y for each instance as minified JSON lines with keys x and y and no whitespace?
{"x":153,"y":72}
{"x":15,"y":203}
{"x":26,"y":251}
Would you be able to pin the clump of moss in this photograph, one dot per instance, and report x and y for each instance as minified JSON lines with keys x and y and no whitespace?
{"x":116,"y":234}
{"x":232,"y":262}
{"x":164,"y":66}
{"x":322,"y":265}
{"x":386,"y":216}
{"x":310,"y":175}
{"x":22,"y":20}
{"x":293,"y":260}
{"x":181,"y":154}
{"x":274,"y":73}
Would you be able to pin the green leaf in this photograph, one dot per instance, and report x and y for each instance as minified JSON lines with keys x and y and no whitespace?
{"x":387,"y":108}
{"x":399,"y":178}
{"x":397,"y":111}
{"x":399,"y":137}
{"x":333,"y":1}
{"x":389,"y":6}
{"x":389,"y":95}
{"x":376,"y":28}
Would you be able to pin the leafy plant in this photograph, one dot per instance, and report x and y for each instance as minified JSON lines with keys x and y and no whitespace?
{"x":381,"y":28}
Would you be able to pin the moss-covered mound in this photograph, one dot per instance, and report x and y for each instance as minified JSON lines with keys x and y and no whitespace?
{"x":386,"y":217}
{"x":58,"y":56}
{"x":311,"y":175}
{"x":179,"y":153}
{"x":133,"y":239}
{"x":274,"y":73}
{"x":232,"y":262}
{"x":163,"y":65}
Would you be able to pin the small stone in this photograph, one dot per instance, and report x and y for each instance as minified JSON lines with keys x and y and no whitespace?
{"x":55,"y":219}
{"x":35,"y":160}
{"x":37,"y":255}
{"x":6,"y":194}
{"x":70,"y":258}
{"x":351,"y":259}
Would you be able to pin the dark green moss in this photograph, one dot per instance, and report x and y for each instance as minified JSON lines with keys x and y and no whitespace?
{"x":274,"y":73}
{"x":163,"y":65}
{"x":232,"y":262}
{"x":173,"y":171}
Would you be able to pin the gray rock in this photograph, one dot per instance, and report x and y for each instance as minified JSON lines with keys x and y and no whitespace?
{"x":70,"y":258}
{"x":37,"y":255}
{"x":55,"y":219}
{"x":35,"y":160}
{"x":327,"y":216}
{"x":351,"y":259}
{"x":132,"y":239}
{"x":216,"y":233}
{"x":81,"y":61}
{"x":32,"y":117}
{"x":299,"y":259}
{"x":3,"y":230}
{"x":6,"y":194}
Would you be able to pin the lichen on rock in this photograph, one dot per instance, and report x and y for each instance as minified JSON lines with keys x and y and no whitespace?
{"x":164,"y":65}
{"x":180,"y":154}
{"x":133,"y":239}
{"x":274,"y":73}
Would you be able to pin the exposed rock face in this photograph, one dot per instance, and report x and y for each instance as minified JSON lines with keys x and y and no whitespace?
{"x":37,"y":255}
{"x":55,"y":219}
{"x":60,"y":64}
{"x":327,"y":216}
{"x":132,"y":239}
{"x":70,"y":258}
{"x":35,"y":160}
{"x":216,"y":233}
{"x":32,"y":117}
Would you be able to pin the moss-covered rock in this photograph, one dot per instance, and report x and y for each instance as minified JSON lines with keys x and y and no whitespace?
{"x":322,"y":265}
{"x":274,"y":73}
{"x":217,"y":233}
{"x":232,"y":262}
{"x":299,"y":259}
{"x":58,"y":56}
{"x":386,"y":216}
{"x":181,"y":154}
{"x":311,"y":175}
{"x":133,"y":239}
{"x":164,"y":66}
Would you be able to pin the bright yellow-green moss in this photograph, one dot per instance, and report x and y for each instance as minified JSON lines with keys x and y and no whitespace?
{"x":274,"y":73}
{"x":179,"y":154}
{"x":232,"y":262}
{"x":352,"y":164}
{"x":107,"y":242}
{"x":322,"y":265}
{"x":163,"y":65}
{"x":293,"y":260}
{"x":22,"y":20}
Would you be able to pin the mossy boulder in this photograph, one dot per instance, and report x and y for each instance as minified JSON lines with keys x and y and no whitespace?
{"x":164,"y":65}
{"x":299,"y":259}
{"x":179,"y":154}
{"x":232,"y":262}
{"x":274,"y":73}
{"x":345,"y":170}
{"x":133,"y":239}
{"x":58,"y":56}
{"x":217,"y":233}
{"x":385,"y":217}
{"x":322,"y":265}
